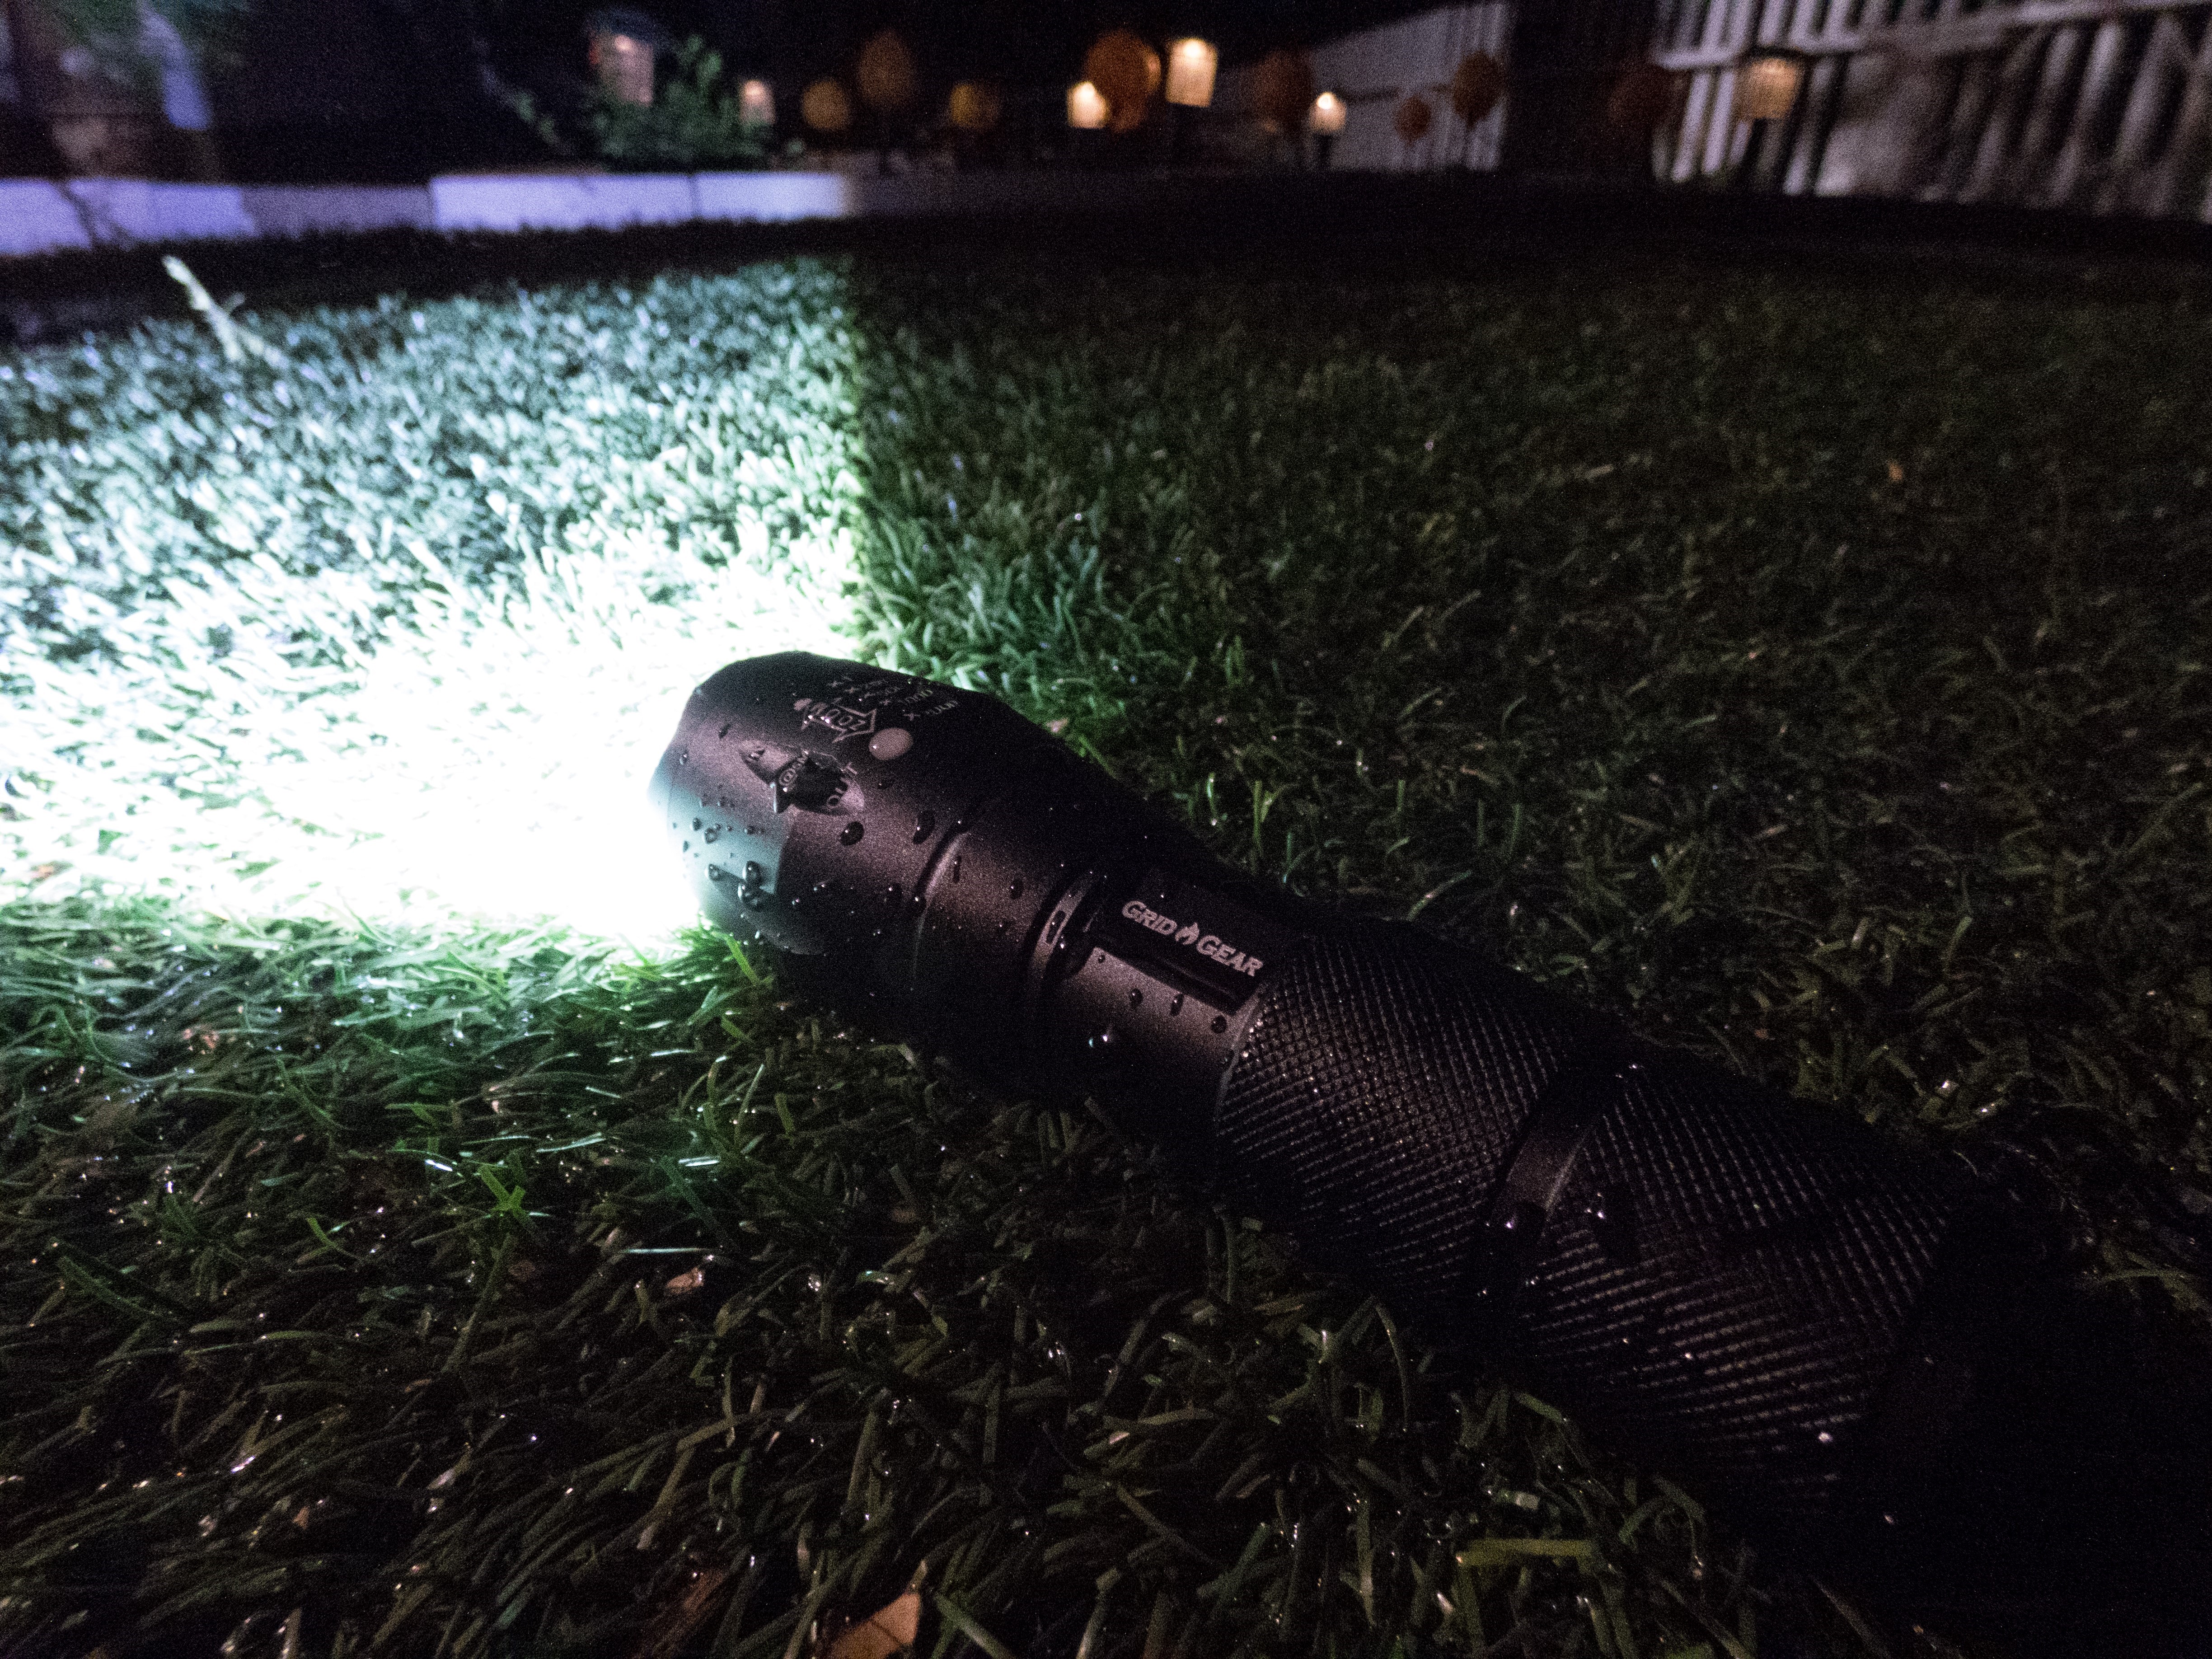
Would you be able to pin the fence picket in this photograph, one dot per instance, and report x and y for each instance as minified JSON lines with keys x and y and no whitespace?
{"x":2071,"y":170}
{"x":2185,"y":149}
{"x":2166,"y":57}
{"x":2039,"y":137}
{"x":1970,"y":118}
{"x":1799,"y":134}
{"x":2004,"y":126}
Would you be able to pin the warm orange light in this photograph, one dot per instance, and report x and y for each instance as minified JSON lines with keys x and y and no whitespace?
{"x":625,"y":66}
{"x":973,"y":107}
{"x":1326,"y":118}
{"x":757,"y":104}
{"x":1086,"y":107}
{"x":1191,"y":65}
{"x":826,"y":108}
{"x":1127,"y":73}
{"x":1766,"y":85}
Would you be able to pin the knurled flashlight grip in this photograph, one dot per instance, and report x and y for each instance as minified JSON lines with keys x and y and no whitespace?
{"x":1795,"y":1315}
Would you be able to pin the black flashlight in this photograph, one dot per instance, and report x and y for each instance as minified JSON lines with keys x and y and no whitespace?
{"x":1851,"y":1347}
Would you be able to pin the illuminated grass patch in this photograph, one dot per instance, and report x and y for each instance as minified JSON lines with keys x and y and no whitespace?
{"x":389,"y":618}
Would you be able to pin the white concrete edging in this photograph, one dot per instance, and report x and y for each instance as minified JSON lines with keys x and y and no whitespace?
{"x":40,"y":216}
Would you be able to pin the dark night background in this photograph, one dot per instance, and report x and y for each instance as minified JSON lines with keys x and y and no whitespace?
{"x":396,"y":89}
{"x":1009,"y":40}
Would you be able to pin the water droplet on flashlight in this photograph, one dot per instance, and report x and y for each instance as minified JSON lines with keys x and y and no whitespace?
{"x":713,"y":834}
{"x":1220,"y":1023}
{"x":891,"y":742}
{"x":923,"y":825}
{"x":1014,"y":888}
{"x":852,"y":834}
{"x":1175,"y":1006}
{"x":1136,"y":997}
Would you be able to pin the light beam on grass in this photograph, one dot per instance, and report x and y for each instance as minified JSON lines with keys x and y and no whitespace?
{"x":257,"y":742}
{"x":487,"y":759}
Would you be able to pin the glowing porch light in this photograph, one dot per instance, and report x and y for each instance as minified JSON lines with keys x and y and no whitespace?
{"x":973,"y":107}
{"x":486,"y":759}
{"x":1326,"y":120}
{"x":1086,"y":107}
{"x":1766,"y":84}
{"x":1191,"y":65}
{"x":757,"y":104}
{"x":624,"y":65}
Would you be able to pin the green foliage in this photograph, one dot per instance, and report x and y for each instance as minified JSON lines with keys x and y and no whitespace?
{"x":1807,"y":666}
{"x":695,"y":121}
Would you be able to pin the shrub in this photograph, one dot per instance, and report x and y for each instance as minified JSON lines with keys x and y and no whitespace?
{"x":694,"y":120}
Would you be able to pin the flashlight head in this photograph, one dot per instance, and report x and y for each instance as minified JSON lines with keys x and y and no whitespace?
{"x":903,"y":843}
{"x":805,"y":797}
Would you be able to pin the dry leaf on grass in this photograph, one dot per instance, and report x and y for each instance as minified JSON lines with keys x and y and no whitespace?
{"x":889,"y":1630}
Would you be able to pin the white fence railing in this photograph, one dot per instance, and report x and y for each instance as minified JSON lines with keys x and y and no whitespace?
{"x":2100,"y":106}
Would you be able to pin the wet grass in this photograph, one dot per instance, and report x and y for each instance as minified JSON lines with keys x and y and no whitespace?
{"x":1810,"y":667}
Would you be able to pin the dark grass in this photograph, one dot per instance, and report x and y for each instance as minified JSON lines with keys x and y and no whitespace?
{"x":1810,"y":667}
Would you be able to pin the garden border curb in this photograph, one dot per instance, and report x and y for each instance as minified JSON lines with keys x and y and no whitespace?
{"x":44,"y":216}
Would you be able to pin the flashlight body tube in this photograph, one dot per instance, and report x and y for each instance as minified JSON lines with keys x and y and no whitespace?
{"x":1842,"y":1343}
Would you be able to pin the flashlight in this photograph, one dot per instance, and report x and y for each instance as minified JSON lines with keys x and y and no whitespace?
{"x":1852,"y":1348}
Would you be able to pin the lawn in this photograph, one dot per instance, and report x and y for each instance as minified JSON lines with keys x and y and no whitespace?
{"x":413,"y":1240}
